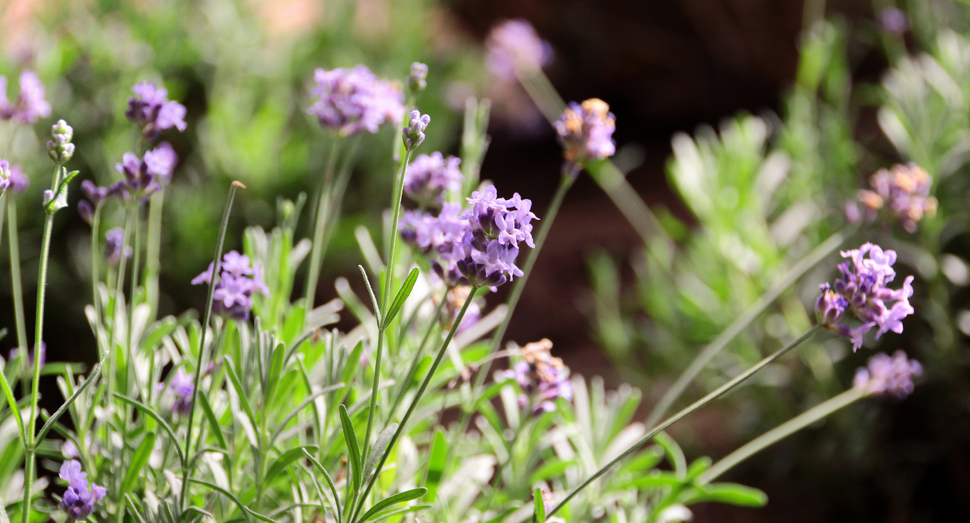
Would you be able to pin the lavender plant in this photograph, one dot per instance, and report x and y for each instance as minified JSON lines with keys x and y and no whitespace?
{"x":264,"y":410}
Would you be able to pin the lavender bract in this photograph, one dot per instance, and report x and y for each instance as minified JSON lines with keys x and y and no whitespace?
{"x":541,"y":376}
{"x":238,"y":281}
{"x":514,"y":47}
{"x":903,"y":193}
{"x":889,"y":376}
{"x":352,"y":100}
{"x":586,"y":133}
{"x":30,"y":104}
{"x":80,"y":497}
{"x":862,"y":292}
{"x":429,"y":177}
{"x":152,"y":111}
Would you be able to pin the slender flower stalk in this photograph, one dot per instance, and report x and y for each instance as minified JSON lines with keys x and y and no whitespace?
{"x":385,"y":299}
{"x":156,"y":205}
{"x":200,"y":361}
{"x":717,"y":393}
{"x":30,"y":451}
{"x":414,"y":402}
{"x":416,"y":359}
{"x":781,"y":432}
{"x":714,"y":348}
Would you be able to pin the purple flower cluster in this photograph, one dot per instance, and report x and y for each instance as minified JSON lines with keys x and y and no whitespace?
{"x":238,"y":281}
{"x":429,"y":177}
{"x":890,"y":376}
{"x":418,"y":79}
{"x":903,"y":192}
{"x":30,"y":105}
{"x":5,"y":175}
{"x":586,"y":133}
{"x":182,"y":386}
{"x":414,"y":131}
{"x":541,"y":376}
{"x":514,"y":46}
{"x":80,"y":497}
{"x":142,"y":177}
{"x":862,"y":292}
{"x":478,"y":246}
{"x":351,"y":100}
{"x":152,"y":111}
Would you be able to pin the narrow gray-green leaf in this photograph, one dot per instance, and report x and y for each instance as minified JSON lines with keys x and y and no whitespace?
{"x":373,"y":298}
{"x":402,"y":296}
{"x":353,"y":448}
{"x":731,"y":493}
{"x":210,"y":415}
{"x":243,"y":400}
{"x":49,"y":424}
{"x":401,"y":497}
{"x":330,"y":483}
{"x":14,"y":408}
{"x":377,"y":451}
{"x":158,"y":419}
{"x":138,"y":461}
{"x":540,"y":507}
{"x":436,"y":463}
{"x":224,"y":492}
{"x":288,"y":457}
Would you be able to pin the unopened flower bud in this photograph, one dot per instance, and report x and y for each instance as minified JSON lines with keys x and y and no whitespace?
{"x":417,"y":80}
{"x":60,"y":148}
{"x":414,"y":132}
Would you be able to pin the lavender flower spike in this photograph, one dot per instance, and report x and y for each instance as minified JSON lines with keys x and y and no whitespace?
{"x":888,"y":376}
{"x":80,"y":497}
{"x":238,"y":281}
{"x":59,"y":148}
{"x":514,"y":47}
{"x":182,"y":387}
{"x":862,"y":292}
{"x":902,"y":194}
{"x":540,"y":375}
{"x":152,"y":111}
{"x":414,"y":131}
{"x":429,"y":177}
{"x":355,"y":100}
{"x":586,"y":133}
{"x":417,"y":80}
{"x":30,"y":105}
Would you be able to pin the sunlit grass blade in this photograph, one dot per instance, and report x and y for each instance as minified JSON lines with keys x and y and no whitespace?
{"x":14,"y":408}
{"x":67,"y":404}
{"x":401,"y":297}
{"x":373,"y":297}
{"x":330,"y":483}
{"x":353,"y":448}
{"x":401,"y":497}
{"x":138,"y":461}
{"x":286,"y":459}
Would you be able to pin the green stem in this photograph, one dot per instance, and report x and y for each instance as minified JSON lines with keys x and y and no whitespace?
{"x":45,"y":250}
{"x":720,"y":391}
{"x":782,"y":431}
{"x":96,"y":278}
{"x":732,"y":331}
{"x":200,"y":361}
{"x":320,"y":224}
{"x":414,"y":402}
{"x":133,"y":295}
{"x":153,"y":251}
{"x":416,"y":358}
{"x":386,"y":295}
{"x":18,"y":292}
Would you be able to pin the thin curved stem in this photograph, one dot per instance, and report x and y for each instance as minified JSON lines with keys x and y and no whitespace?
{"x":414,"y":402}
{"x":18,"y":291}
{"x":732,"y":331}
{"x":416,"y":358}
{"x":186,"y":472}
{"x":782,"y":431}
{"x":388,"y":281}
{"x":30,"y":451}
{"x":153,"y":251}
{"x":720,"y":391}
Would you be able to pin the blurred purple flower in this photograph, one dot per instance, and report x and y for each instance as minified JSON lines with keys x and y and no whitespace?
{"x":238,"y":281}
{"x":891,"y":376}
{"x":586,"y":133}
{"x":5,"y":174}
{"x":514,"y":47}
{"x":181,"y":386}
{"x":862,"y":292}
{"x":893,"y":21}
{"x":30,"y":105}
{"x":541,"y":376}
{"x":352,"y":100}
{"x":145,"y":176}
{"x":18,"y":180}
{"x":152,"y":111}
{"x":80,"y":497}
{"x":417,"y":80}
{"x":903,"y":192}
{"x":429,"y":177}
{"x":113,"y":244}
{"x":15,"y":353}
